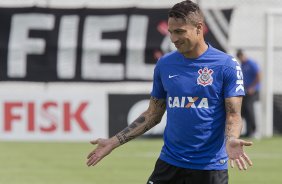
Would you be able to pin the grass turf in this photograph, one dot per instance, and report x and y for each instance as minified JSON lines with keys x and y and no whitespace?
{"x":64,"y":163}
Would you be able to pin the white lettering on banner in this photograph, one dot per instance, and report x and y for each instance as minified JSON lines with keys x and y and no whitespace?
{"x":69,"y":116}
{"x":94,"y":46}
{"x":67,"y":45}
{"x":187,"y":102}
{"x":20,"y":45}
{"x":136,"y":44}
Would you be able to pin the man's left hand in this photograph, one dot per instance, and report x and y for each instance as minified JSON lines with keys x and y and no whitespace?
{"x":236,"y":153}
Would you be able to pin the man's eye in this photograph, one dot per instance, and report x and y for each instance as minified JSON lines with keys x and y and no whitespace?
{"x":178,"y":31}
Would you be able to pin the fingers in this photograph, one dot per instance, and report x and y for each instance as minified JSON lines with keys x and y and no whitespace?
{"x":94,"y":141}
{"x":241,"y":162}
{"x":247,"y":159}
{"x":93,"y":160}
{"x":92,"y":157}
{"x":90,"y":154}
{"x":232,"y":163}
{"x":238,"y":163}
{"x":246,"y":143}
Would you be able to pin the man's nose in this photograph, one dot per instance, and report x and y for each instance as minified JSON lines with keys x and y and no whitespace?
{"x":173,"y":38}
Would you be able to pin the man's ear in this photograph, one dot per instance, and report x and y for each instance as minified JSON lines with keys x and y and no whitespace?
{"x":199,"y":27}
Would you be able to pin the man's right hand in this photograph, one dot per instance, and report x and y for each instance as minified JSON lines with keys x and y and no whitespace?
{"x":104,"y":147}
{"x":147,"y":120}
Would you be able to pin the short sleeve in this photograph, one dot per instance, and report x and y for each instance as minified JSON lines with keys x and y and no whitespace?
{"x":256,"y":67}
{"x":158,"y":89}
{"x":233,"y":79}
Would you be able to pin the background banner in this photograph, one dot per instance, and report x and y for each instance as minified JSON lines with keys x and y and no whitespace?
{"x":125,"y":108}
{"x":120,"y":44}
{"x":57,"y":112}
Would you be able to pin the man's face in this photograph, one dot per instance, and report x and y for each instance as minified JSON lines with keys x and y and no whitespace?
{"x":241,"y":58}
{"x":183,"y":35}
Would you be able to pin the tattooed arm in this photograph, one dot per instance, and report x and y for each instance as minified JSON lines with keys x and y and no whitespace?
{"x":151,"y":117}
{"x":234,"y":145}
{"x":233,"y":117}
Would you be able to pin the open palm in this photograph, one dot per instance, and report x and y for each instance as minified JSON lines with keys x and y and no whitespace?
{"x":104,"y":147}
{"x":236,"y":153}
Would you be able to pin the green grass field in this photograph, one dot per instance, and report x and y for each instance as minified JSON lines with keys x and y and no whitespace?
{"x":64,"y":163}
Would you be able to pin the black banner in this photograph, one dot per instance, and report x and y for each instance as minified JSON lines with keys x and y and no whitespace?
{"x":120,"y":106}
{"x":43,"y":44}
{"x":277,"y":114}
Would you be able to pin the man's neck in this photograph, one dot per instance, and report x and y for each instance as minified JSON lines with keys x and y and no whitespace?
{"x":197,"y":51}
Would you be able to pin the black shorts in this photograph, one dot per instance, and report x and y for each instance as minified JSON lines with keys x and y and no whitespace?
{"x":165,"y":173}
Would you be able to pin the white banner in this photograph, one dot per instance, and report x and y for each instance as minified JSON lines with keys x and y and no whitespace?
{"x":41,"y":112}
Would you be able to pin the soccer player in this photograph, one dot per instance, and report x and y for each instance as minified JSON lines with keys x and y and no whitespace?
{"x":252,"y":77}
{"x":201,"y":88}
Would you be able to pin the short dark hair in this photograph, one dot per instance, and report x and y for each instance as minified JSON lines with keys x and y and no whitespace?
{"x":239,"y":53}
{"x":188,"y":11}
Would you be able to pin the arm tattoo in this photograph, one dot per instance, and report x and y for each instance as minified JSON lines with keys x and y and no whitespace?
{"x":231,"y":107}
{"x":233,"y":117}
{"x":144,"y":122}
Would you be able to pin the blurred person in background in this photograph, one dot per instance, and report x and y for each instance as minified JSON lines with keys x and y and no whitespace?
{"x":201,"y":91}
{"x":251,"y":73}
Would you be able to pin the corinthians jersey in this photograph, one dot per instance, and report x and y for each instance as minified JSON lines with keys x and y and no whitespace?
{"x":195,"y":90}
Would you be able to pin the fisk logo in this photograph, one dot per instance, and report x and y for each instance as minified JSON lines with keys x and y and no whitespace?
{"x":239,"y":80}
{"x":187,"y":102}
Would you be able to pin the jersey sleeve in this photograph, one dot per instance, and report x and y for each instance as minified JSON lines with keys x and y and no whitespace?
{"x":255,"y":67}
{"x":233,"y":84}
{"x":158,"y":89}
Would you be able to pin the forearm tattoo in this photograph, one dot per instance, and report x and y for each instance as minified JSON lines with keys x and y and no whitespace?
{"x":233,"y":117}
{"x":144,"y":122}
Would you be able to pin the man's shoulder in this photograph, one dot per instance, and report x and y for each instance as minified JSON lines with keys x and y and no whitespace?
{"x":218,"y":53}
{"x":252,"y":61}
{"x":223,"y":58}
{"x":169,"y":57}
{"x":253,"y":65}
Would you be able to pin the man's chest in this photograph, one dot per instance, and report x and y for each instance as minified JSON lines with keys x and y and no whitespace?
{"x":192,"y":81}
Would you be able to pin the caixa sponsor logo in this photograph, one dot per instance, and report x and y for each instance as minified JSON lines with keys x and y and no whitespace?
{"x":187,"y":102}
